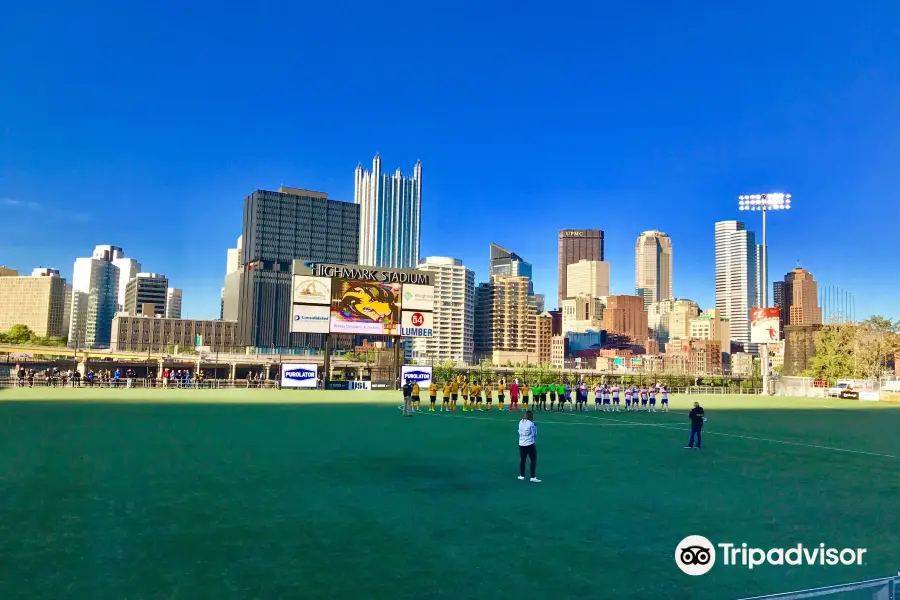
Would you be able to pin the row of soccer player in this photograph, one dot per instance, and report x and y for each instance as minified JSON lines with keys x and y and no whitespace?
{"x":477,"y":397}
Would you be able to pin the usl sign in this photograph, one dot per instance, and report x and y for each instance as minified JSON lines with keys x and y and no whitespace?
{"x":416,"y":323}
{"x":416,"y":374}
{"x":308,"y":318}
{"x":294,"y":375}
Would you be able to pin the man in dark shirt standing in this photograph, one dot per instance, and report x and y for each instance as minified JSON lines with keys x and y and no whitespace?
{"x":407,"y":398}
{"x":697,"y":418}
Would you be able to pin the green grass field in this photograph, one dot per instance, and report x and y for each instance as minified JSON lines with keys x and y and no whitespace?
{"x":263,"y":494}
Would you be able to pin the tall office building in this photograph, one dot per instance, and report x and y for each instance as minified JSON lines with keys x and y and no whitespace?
{"x":454,"y":313}
{"x":231,"y":291}
{"x":576,"y":245}
{"x":173,"y":303}
{"x":587,"y":278}
{"x":507,"y":262}
{"x":38,"y":302}
{"x":146,"y":292}
{"x":800,"y":304}
{"x":128,"y":269}
{"x":505,"y":319}
{"x":760,"y":284}
{"x":625,"y":315}
{"x":390,"y":208}
{"x":736,"y":274}
{"x":670,"y":320}
{"x":278,"y":228}
{"x":653,"y":267}
{"x":95,"y":297}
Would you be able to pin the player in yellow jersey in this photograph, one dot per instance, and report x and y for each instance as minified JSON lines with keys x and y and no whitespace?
{"x":432,"y":395}
{"x":454,"y":394}
{"x":445,"y":405}
{"x":415,"y":397}
{"x":501,"y":394}
{"x":488,"y":396}
{"x":525,"y":393}
{"x":464,"y":390}
{"x":475,"y":396}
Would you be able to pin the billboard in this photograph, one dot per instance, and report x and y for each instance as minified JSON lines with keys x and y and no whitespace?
{"x":295,"y":375}
{"x":310,"y":318}
{"x":765,"y":325}
{"x":417,"y":374}
{"x":366,"y":307}
{"x":361,"y":300}
{"x":312,"y":290}
{"x":416,"y":324}
{"x":418,"y":297}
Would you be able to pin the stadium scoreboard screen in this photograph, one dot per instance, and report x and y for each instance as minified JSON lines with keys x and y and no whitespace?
{"x":361,"y":300}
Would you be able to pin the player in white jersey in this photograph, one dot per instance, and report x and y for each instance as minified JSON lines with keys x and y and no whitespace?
{"x":598,"y":396}
{"x":664,"y":393}
{"x":615,"y":398}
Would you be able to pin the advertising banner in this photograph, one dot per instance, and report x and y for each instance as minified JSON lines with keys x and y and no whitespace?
{"x":417,"y":324}
{"x":294,"y":375}
{"x":765,"y":325}
{"x":417,"y":374}
{"x":312,"y":290}
{"x":366,"y":307}
{"x":354,"y":386}
{"x":309,"y":318}
{"x":418,"y":297}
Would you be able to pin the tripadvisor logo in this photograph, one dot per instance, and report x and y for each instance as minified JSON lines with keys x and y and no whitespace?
{"x":696,"y":555}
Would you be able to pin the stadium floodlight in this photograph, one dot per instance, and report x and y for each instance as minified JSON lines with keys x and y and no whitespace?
{"x":764,"y":203}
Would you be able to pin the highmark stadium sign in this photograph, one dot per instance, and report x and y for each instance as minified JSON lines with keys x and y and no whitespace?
{"x":362,"y":273}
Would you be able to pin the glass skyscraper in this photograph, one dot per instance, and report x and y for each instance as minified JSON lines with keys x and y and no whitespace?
{"x":278,"y":228}
{"x":390,"y":208}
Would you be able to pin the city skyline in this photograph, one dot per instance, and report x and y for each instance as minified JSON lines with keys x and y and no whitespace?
{"x":130,"y":148}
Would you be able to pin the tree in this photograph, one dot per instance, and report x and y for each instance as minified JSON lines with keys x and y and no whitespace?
{"x":855,"y":350}
{"x":19,"y":334}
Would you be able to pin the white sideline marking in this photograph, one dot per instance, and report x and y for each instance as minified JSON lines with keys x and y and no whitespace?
{"x":768,"y":440}
{"x":622,"y":424}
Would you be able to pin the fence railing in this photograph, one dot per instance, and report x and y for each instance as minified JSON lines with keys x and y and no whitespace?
{"x":138,"y":383}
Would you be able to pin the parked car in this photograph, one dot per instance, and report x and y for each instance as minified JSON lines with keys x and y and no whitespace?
{"x":838,"y":389}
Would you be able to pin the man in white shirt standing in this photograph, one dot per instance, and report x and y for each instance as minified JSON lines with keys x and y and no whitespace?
{"x":527,"y":449}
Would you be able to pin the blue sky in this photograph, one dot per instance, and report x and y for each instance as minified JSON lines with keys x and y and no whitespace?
{"x":145,"y":125}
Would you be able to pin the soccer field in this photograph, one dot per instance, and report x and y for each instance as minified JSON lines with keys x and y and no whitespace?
{"x":281,"y":494}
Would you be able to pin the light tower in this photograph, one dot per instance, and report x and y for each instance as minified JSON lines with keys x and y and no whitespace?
{"x":764,"y":203}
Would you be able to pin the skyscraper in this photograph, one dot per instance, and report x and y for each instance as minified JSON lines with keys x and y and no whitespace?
{"x":736,"y":274}
{"x":278,"y":228}
{"x":507,"y":262}
{"x":505,"y":320}
{"x":587,"y":278}
{"x":173,"y":303}
{"x":146,"y":289}
{"x":454,"y":313}
{"x":390,"y":208}
{"x":95,"y":297}
{"x":38,"y":302}
{"x":576,"y":245}
{"x":653,"y":267}
{"x":801,"y":299}
{"x":231,"y":291}
{"x":128,"y":269}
